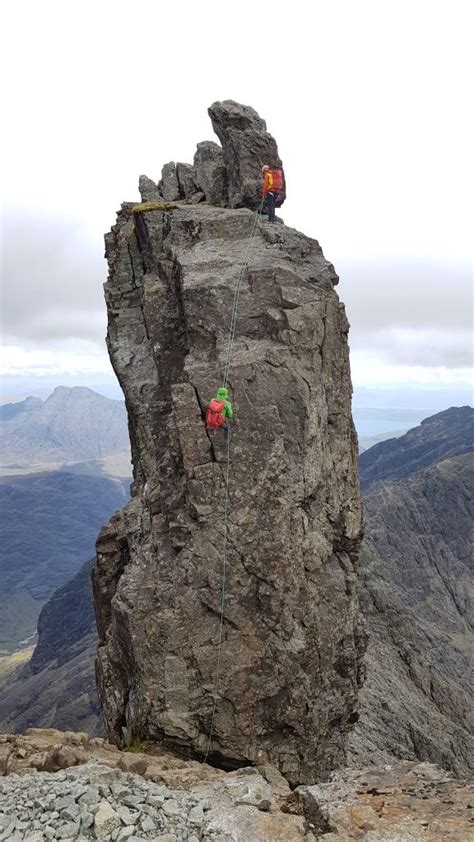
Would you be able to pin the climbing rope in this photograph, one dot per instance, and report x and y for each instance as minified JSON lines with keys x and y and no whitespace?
{"x":235,"y":305}
{"x":228,"y":359}
{"x":221,"y":622}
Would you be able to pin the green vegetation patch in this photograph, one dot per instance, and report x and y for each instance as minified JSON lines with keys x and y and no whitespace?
{"x":141,"y":747}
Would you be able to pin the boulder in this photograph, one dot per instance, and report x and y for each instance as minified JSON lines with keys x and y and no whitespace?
{"x":169,"y":185}
{"x":149,"y":190}
{"x":246,"y":146}
{"x":187,"y":184}
{"x":210,"y":172}
{"x":106,"y":821}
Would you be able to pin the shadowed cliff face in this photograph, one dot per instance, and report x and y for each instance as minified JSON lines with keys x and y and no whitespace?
{"x":416,"y":594}
{"x":57,"y":688}
{"x":292,"y":649}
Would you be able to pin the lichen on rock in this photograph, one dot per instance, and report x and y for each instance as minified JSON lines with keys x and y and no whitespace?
{"x":292,"y":648}
{"x":143,"y":207}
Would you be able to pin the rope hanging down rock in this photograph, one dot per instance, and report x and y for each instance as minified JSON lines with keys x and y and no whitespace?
{"x":228,"y":360}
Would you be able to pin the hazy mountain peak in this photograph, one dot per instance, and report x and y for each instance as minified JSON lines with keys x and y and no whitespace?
{"x":73,"y":424}
{"x":77,"y":393}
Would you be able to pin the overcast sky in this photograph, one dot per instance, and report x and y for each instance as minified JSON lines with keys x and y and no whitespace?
{"x":369,"y":102}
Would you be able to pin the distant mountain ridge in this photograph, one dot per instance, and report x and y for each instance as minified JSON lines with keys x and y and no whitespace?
{"x":73,"y":424}
{"x":13,"y":410}
{"x":448,"y":433}
{"x":366,"y":442}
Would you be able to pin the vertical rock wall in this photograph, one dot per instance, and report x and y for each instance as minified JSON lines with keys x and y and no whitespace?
{"x":292,"y":648}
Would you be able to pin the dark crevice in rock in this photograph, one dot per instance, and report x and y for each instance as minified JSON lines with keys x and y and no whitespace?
{"x":202,"y":407}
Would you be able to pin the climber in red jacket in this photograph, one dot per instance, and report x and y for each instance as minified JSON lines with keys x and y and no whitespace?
{"x":272,"y":184}
{"x":219,"y":412}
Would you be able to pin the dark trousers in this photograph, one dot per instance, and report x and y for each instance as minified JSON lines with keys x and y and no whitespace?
{"x":226,"y":430}
{"x":271,"y":199}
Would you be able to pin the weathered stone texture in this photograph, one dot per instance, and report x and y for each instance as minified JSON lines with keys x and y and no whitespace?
{"x":406,"y":802}
{"x":169,"y":185}
{"x":210,"y":173}
{"x":187,"y":181}
{"x":416,"y":593}
{"x":246,"y":146}
{"x":149,"y":190}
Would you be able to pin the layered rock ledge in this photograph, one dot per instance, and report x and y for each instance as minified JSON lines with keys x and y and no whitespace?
{"x":292,"y":650}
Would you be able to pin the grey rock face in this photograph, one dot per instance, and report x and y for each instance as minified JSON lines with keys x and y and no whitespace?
{"x":210,"y":172}
{"x":187,"y":184}
{"x":292,"y":647}
{"x":246,"y":146}
{"x":169,"y":186}
{"x":149,"y":190}
{"x":416,"y":593}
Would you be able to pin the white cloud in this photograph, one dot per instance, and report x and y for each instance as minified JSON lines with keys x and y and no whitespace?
{"x":73,"y":359}
{"x":368,"y":370}
{"x":423,"y":347}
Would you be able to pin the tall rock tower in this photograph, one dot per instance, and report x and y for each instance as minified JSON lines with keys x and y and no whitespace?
{"x":290,"y":660}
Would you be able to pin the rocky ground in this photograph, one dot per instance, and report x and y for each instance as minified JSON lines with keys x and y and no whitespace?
{"x":69,"y":786}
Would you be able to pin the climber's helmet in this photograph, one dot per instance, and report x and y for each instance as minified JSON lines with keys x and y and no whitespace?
{"x":265,"y":168}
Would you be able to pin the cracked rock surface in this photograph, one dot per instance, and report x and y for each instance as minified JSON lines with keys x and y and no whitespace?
{"x":292,"y":643}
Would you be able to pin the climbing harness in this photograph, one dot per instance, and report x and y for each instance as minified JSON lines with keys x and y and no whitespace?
{"x":228,"y":359}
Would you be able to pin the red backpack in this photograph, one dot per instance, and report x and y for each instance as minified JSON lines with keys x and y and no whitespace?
{"x":277,"y":180}
{"x":214,"y":414}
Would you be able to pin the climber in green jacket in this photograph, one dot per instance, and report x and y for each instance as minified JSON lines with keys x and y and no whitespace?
{"x":219,"y":412}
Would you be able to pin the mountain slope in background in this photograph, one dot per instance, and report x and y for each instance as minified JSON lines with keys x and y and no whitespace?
{"x":49,"y":524}
{"x":416,"y":592}
{"x":57,"y":688}
{"x":447,"y":433}
{"x":73,"y":424}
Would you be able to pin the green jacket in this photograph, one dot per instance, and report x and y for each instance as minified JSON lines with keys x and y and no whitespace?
{"x":222,"y":396}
